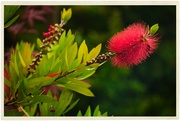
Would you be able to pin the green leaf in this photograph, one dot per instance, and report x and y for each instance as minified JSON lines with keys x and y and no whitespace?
{"x":41,"y":70}
{"x":43,"y":109}
{"x":96,"y":111}
{"x":76,"y":88}
{"x":16,"y":66}
{"x":7,"y":82}
{"x":39,"y":42}
{"x":154,"y":29}
{"x":83,"y":52}
{"x":69,"y":40}
{"x":88,"y":111}
{"x":69,"y":33}
{"x":79,"y":83}
{"x":72,"y":52}
{"x":40,"y":80}
{"x":66,"y":58}
{"x":71,"y":106}
{"x":66,"y":15}
{"x":11,"y":21}
{"x":21,"y":59}
{"x":105,"y":114}
{"x":65,"y":99}
{"x":43,"y":98}
{"x":61,"y":43}
{"x":88,"y":71}
{"x":31,"y":109}
{"x":27,"y":54}
{"x":13,"y":78}
{"x":79,"y":113}
{"x":94,"y":52}
{"x":56,"y":66}
{"x":9,"y":11}
{"x":73,"y":65}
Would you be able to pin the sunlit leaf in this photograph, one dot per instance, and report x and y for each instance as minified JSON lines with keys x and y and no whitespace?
{"x":72,"y":52}
{"x":73,"y":65}
{"x":21,"y":59}
{"x":154,"y":29}
{"x":79,"y":113}
{"x":88,"y":111}
{"x":69,"y":33}
{"x":39,"y":42}
{"x":40,"y":80}
{"x":77,"y":88}
{"x":61,"y":42}
{"x":80,"y":83}
{"x":66,"y":15}
{"x":83,"y":51}
{"x":66,"y":58}
{"x":94,"y":52}
{"x":69,"y":40}
{"x":96,"y":111}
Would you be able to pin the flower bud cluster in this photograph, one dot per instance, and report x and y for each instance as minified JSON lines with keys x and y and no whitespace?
{"x":52,"y":36}
{"x":101,"y":58}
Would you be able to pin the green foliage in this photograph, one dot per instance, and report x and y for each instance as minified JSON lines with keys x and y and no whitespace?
{"x":60,"y":107}
{"x":154,"y":29}
{"x":96,"y":112}
{"x":66,"y":15}
{"x":63,"y":64}
{"x":9,"y":11}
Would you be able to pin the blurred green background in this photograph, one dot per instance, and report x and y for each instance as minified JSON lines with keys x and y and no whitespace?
{"x":148,"y":89}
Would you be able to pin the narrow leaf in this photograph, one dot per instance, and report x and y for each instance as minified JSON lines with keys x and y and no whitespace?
{"x":65,"y":99}
{"x":43,"y":98}
{"x":39,"y":42}
{"x":21,"y":59}
{"x":9,"y":11}
{"x":105,"y":114}
{"x":83,"y":51}
{"x":81,"y":90}
{"x":71,"y":106}
{"x":7,"y":82}
{"x":40,"y":80}
{"x":27,"y":54}
{"x":88,"y":111}
{"x":11,"y":21}
{"x":96,"y":111}
{"x":79,"y":113}
{"x":79,"y":83}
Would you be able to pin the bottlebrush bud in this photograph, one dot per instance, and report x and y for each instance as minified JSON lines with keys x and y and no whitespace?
{"x":101,"y":58}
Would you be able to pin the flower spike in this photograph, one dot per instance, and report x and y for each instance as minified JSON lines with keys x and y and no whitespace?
{"x":132,"y":45}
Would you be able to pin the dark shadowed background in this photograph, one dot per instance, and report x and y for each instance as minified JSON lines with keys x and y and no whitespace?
{"x":148,"y":89}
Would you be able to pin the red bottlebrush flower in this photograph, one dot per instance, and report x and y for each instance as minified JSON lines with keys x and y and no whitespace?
{"x":132,"y":45}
